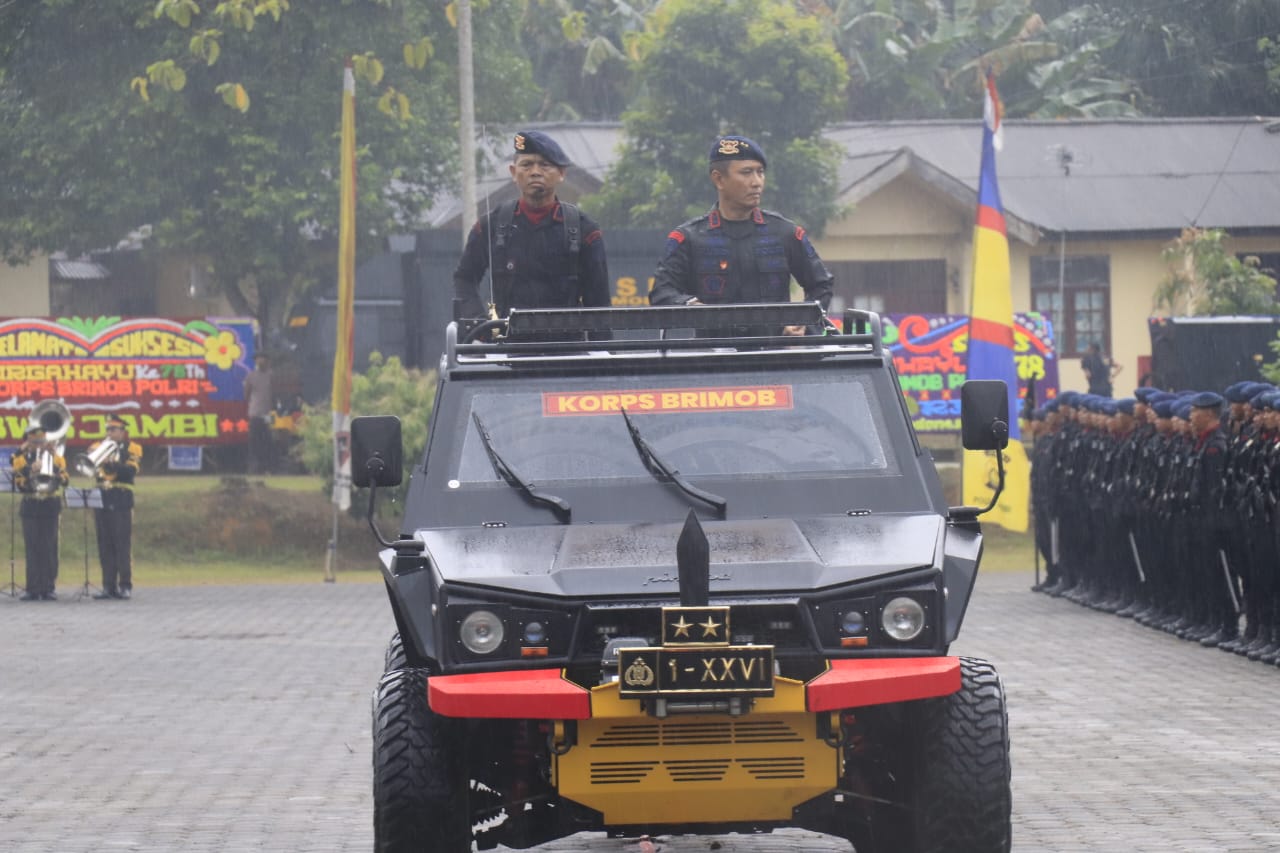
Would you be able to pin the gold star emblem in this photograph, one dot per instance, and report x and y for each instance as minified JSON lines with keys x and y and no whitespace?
{"x":709,"y":627}
{"x":682,"y":627}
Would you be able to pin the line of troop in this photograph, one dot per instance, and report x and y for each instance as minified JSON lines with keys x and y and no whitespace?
{"x":545,"y":253}
{"x":1162,"y":507}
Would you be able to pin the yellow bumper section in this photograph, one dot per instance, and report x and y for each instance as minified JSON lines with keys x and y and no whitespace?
{"x":637,"y":769}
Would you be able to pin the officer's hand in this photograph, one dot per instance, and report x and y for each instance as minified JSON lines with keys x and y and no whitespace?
{"x":793,"y":330}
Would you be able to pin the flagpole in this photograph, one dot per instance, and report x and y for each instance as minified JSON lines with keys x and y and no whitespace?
{"x":342,"y":355}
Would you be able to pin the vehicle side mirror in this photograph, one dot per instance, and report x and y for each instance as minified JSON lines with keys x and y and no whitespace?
{"x":984,"y":414}
{"x":376,"y":451}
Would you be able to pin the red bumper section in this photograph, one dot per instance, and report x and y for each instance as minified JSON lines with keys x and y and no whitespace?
{"x":543,"y":694}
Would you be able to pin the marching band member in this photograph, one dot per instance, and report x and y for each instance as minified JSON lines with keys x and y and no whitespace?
{"x":40,"y":474}
{"x":114,"y":522}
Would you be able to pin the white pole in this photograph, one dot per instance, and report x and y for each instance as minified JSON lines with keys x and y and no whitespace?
{"x":467,"y":119}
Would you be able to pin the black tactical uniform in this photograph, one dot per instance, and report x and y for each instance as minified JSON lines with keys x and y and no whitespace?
{"x":40,"y":511}
{"x":719,"y":261}
{"x":114,"y":522}
{"x":535,"y":264}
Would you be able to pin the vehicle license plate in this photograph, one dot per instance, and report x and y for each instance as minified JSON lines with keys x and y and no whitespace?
{"x":745,"y":670}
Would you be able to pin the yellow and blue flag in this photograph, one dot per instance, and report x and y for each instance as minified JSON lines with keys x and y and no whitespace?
{"x":342,"y":356}
{"x":991,"y":341}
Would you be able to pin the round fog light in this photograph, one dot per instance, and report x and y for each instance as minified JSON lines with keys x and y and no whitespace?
{"x":535,"y":633}
{"x":903,"y":619}
{"x":481,"y":632}
{"x":853,"y":622}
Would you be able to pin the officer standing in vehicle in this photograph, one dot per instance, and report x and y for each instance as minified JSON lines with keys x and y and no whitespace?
{"x":737,"y":252}
{"x":541,"y":252}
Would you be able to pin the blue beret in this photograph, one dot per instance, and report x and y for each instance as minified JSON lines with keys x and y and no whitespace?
{"x":1069,"y":398}
{"x":1144,"y":392}
{"x":1107,"y":407}
{"x":537,"y":142}
{"x":1236,"y":393}
{"x":736,"y":148}
{"x":1158,"y":396}
{"x":1182,"y":410}
{"x":1125,"y":405}
{"x":1164,"y":408}
{"x":1207,"y":400}
{"x":1266,"y":400}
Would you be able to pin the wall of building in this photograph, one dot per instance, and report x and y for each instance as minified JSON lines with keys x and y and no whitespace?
{"x":24,"y":290}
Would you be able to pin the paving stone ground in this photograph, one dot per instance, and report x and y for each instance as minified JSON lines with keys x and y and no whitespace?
{"x":237,"y":719}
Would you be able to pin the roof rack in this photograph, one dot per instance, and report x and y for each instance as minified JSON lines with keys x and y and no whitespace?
{"x":660,"y":331}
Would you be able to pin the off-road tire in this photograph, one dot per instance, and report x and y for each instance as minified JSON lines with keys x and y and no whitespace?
{"x":420,"y":786}
{"x":395,"y":658}
{"x":962,"y":798}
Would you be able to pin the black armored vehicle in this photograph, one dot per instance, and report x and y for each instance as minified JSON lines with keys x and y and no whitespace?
{"x":667,"y":570}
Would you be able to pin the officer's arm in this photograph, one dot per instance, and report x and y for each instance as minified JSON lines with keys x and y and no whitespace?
{"x":673,"y":280}
{"x":593,"y":272}
{"x":808,"y":269}
{"x":467,"y":275}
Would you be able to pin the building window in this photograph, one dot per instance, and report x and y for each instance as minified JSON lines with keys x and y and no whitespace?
{"x":1076,"y":296}
{"x":889,"y":287}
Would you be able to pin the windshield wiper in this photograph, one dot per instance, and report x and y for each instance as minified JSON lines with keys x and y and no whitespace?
{"x":504,"y":470}
{"x":663,"y":472}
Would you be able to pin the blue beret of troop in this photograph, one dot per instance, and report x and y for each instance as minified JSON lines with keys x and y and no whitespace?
{"x":736,"y":148}
{"x":1207,"y":400}
{"x":1125,"y":405}
{"x":1182,"y":409}
{"x":1152,"y":399}
{"x":1164,"y":408}
{"x":1237,"y":392}
{"x":1107,"y":407}
{"x":1144,"y":393}
{"x":537,"y":142}
{"x":1267,"y":400}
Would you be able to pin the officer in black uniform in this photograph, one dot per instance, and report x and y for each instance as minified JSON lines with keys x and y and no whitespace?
{"x":541,"y":252}
{"x":738,"y":252}
{"x":41,"y":510}
{"x":114,"y":522}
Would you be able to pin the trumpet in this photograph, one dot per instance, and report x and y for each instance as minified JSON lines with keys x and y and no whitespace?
{"x":86,"y":464}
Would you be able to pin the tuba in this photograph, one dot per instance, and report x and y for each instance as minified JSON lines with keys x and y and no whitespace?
{"x":86,"y":464}
{"x":54,"y":418}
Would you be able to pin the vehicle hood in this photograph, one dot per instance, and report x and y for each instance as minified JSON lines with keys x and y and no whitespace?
{"x":762,"y":555}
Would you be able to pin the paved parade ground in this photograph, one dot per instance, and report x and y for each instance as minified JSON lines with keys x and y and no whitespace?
{"x":237,"y":719}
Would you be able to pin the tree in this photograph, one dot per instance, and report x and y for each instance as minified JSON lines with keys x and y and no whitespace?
{"x":914,"y":59}
{"x":1193,"y":57}
{"x":230,"y":154}
{"x":581,"y":53}
{"x":1205,"y":279}
{"x":753,"y":67}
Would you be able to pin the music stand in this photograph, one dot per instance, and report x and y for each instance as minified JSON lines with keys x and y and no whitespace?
{"x":12,"y":590}
{"x":86,"y":499}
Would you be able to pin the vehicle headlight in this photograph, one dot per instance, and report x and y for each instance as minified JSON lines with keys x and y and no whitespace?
{"x":481,"y":632}
{"x":902,"y":619}
{"x":852,"y":622}
{"x":535,"y":633}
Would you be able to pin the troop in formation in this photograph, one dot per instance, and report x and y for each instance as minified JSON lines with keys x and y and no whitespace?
{"x":1162,"y":507}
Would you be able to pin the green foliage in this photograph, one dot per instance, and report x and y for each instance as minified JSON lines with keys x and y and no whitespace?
{"x":753,"y":67}
{"x":1206,"y":279}
{"x":386,"y":387}
{"x":914,"y":59}
{"x":239,"y":163}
